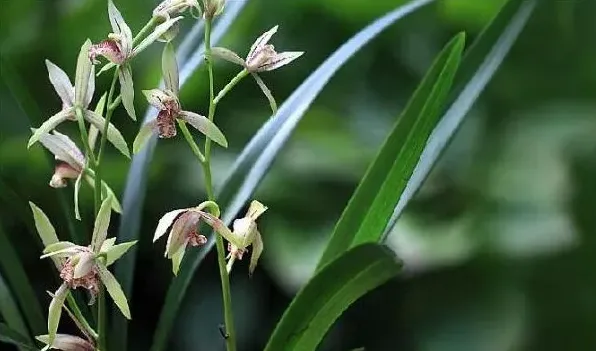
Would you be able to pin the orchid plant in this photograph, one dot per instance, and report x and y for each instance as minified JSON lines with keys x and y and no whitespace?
{"x":86,"y":265}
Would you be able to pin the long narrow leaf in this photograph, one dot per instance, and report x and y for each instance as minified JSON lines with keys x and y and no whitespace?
{"x":371,"y":206}
{"x":478,"y":67}
{"x":20,"y":284}
{"x":329,"y":293}
{"x":11,"y":336}
{"x":136,"y":182}
{"x":10,"y":310}
{"x":255,"y":159}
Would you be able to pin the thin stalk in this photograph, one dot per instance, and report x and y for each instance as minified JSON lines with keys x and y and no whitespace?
{"x":88,"y":149}
{"x":143,"y":32}
{"x":230,"y":85}
{"x":191,"y":142}
{"x":221,"y":251}
{"x":101,"y":319}
{"x":101,"y":303}
{"x":79,"y":316}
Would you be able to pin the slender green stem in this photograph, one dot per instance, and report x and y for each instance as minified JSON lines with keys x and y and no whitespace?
{"x":101,"y":320}
{"x":143,"y":32}
{"x":108,"y":117}
{"x":191,"y":142}
{"x":76,"y":311}
{"x":221,"y":252}
{"x":101,"y":308}
{"x":88,"y":149}
{"x":230,"y":85}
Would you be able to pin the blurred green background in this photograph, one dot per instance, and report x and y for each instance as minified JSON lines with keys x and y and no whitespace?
{"x":499,"y":245}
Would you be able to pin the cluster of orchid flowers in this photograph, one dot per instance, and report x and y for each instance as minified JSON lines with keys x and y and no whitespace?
{"x":86,"y":267}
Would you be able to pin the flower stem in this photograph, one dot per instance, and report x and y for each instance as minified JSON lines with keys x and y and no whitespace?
{"x":76,"y":311}
{"x":101,"y":308}
{"x":88,"y":149}
{"x":193,"y":145}
{"x":143,"y":32}
{"x":221,"y":252}
{"x":230,"y":85}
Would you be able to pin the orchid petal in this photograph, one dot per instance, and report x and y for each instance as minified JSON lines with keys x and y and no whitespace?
{"x":169,"y":68}
{"x":260,"y":42}
{"x":228,"y":55}
{"x":85,"y":265}
{"x":61,"y":83}
{"x":165,"y":222}
{"x":205,"y":126}
{"x":66,"y":342}
{"x":177,"y":258}
{"x":257,"y":250}
{"x":120,"y":27}
{"x":127,"y":90}
{"x":114,"y":289}
{"x":55,"y":311}
{"x":84,"y":73}
{"x":102,"y":222}
{"x":280,"y":59}
{"x":157,"y":32}
{"x":267,"y":93}
{"x":146,"y":131}
{"x":116,"y":251}
{"x":50,"y":124}
{"x":63,"y":148}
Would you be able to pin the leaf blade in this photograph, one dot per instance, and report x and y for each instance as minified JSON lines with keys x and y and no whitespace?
{"x":329,"y":293}
{"x":370,"y":208}
{"x":486,"y":54}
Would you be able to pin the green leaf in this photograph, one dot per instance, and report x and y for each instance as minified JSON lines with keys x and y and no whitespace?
{"x":371,"y":206}
{"x":254,"y":161}
{"x":329,"y":293}
{"x":10,"y":336}
{"x":10,"y":310}
{"x":478,"y":67}
{"x":190,"y":56}
{"x":102,"y":223}
{"x":114,"y":289}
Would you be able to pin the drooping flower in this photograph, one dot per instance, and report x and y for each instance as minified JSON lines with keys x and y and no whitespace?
{"x":70,"y":163}
{"x":66,"y":342}
{"x":184,"y":225}
{"x":261,"y":57}
{"x":169,"y":8}
{"x":170,"y":111}
{"x":82,"y":266}
{"x":119,"y":48}
{"x":77,"y":97}
{"x":245,"y":234}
